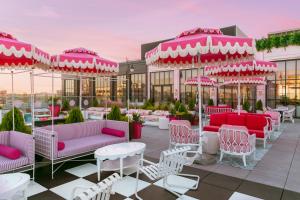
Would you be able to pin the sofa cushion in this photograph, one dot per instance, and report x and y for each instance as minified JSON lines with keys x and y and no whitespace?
{"x":256,"y":122}
{"x":7,"y":164}
{"x":86,"y":144}
{"x":9,"y":152}
{"x":235,"y":119}
{"x":211,"y":128}
{"x":60,"y":145}
{"x":218,"y":119}
{"x":113,"y":132}
{"x":258,"y":133}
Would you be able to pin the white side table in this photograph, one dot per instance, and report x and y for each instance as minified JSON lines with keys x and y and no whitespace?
{"x":119,"y":156}
{"x":163,"y":123}
{"x":211,"y":146}
{"x":11,"y":184}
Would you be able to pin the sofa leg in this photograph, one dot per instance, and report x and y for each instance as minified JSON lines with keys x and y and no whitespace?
{"x":244,"y":160}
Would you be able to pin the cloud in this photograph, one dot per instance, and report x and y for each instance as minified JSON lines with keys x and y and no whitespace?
{"x":44,"y":12}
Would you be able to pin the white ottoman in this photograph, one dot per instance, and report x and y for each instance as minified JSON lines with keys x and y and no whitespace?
{"x":211,"y":144}
{"x":163,"y":123}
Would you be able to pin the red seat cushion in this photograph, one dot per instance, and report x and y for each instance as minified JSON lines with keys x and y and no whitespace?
{"x":218,"y":119}
{"x":113,"y":132}
{"x":258,"y":133}
{"x":256,"y":122}
{"x":9,"y":152}
{"x":235,"y":119}
{"x":60,"y":145}
{"x":211,"y":128}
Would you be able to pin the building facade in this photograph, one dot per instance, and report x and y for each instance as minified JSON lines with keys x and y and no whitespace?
{"x":142,"y":82}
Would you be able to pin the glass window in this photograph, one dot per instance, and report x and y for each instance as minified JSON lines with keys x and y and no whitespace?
{"x":138,"y":87}
{"x":161,"y":86}
{"x":102,"y":89}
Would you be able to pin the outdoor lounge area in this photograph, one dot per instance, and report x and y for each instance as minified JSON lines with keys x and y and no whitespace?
{"x":151,"y":100}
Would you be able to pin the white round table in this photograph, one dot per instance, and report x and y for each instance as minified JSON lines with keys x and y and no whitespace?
{"x":11,"y":184}
{"x":119,"y":156}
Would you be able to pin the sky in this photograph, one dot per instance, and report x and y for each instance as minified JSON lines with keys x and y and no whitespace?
{"x":116,"y":29}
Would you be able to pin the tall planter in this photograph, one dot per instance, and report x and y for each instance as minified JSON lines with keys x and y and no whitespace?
{"x":56,"y":110}
{"x":137,"y":130}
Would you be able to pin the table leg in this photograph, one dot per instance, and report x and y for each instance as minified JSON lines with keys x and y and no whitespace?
{"x":121,"y":167}
{"x":98,"y":168}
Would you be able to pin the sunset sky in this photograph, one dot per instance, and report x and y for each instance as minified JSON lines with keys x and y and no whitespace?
{"x":116,"y":29}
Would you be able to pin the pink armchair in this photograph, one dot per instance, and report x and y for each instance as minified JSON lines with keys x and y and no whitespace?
{"x":235,"y":140}
{"x":181,"y":134}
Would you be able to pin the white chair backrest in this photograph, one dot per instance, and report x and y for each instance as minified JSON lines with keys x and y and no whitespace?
{"x":172,"y":161}
{"x":100,"y":192}
{"x":180,"y":132}
{"x":234,"y":139}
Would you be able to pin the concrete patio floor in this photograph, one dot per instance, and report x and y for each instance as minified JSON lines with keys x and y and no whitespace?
{"x":279,"y":167}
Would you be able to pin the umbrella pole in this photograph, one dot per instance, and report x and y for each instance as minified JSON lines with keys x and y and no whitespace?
{"x":52,"y":102}
{"x":13,"y":99}
{"x":32,"y":100}
{"x":239,"y":97}
{"x":80,"y":92}
{"x":106,"y":99}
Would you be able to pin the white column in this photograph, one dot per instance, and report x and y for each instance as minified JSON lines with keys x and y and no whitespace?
{"x":32,"y":100}
{"x":52,"y":102}
{"x":239,"y":95}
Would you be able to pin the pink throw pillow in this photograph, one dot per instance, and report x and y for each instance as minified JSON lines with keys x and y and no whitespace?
{"x":60,"y":145}
{"x":9,"y":152}
{"x":113,"y":132}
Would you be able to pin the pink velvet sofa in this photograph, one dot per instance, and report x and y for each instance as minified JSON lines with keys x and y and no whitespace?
{"x":80,"y":139}
{"x":24,"y":143}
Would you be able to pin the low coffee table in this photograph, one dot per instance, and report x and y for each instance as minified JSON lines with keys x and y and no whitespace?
{"x":11,"y":184}
{"x":119,"y":156}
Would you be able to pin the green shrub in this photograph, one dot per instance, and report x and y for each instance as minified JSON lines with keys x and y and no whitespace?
{"x":65,"y":105}
{"x":75,"y":116}
{"x":176,"y":105}
{"x":136,"y":117}
{"x":95,"y":102}
{"x":7,"y":122}
{"x":246,"y":106}
{"x":182,"y":108}
{"x":191,"y":104}
{"x":147,"y":104}
{"x":115,"y":114}
{"x":259,"y":105}
{"x":210,"y":102}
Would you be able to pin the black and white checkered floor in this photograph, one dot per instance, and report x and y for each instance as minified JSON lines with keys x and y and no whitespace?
{"x":212,"y":186}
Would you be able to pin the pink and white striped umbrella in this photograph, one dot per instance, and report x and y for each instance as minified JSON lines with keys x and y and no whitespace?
{"x":245,"y":81}
{"x":20,"y":55}
{"x":212,"y":46}
{"x":83,"y":61}
{"x":203,"y":80}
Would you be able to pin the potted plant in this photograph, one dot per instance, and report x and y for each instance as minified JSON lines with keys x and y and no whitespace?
{"x":95,"y":102}
{"x":259,"y":106}
{"x":172,"y":111}
{"x":210,"y":102}
{"x":115,"y":114}
{"x":75,"y":116}
{"x":137,"y":124}
{"x":55,"y":107}
{"x":246,"y":106}
{"x":191,"y":106}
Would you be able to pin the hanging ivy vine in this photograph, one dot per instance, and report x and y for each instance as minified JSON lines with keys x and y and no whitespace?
{"x":277,"y":41}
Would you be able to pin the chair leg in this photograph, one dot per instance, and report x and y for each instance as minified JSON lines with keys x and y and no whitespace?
{"x":192,"y":176}
{"x":221,"y":156}
{"x":244,"y":160}
{"x":137,"y":185}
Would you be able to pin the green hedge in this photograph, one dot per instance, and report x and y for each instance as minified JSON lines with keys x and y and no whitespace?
{"x":278,"y":41}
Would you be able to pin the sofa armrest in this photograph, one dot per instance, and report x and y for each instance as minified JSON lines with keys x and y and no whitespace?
{"x":119,"y":125}
{"x":46,"y":143}
{"x":24,"y":142}
{"x":4,"y":137}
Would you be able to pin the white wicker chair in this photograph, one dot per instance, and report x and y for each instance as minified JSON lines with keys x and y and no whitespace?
{"x":235,"y":140}
{"x":181,"y":134}
{"x":171,"y":162}
{"x":288,"y":115}
{"x":100,"y":191}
